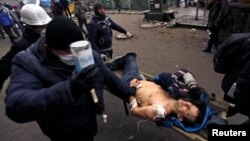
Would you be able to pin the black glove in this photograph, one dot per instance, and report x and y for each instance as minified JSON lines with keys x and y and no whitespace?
{"x":84,"y":81}
{"x":216,"y":24}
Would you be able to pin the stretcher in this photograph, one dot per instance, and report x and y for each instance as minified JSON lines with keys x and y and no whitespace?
{"x":220,"y":106}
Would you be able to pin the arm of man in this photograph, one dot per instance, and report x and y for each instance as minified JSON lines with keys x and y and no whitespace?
{"x":145,"y":112}
{"x":117,"y":27}
{"x":113,"y":82}
{"x":5,"y":63}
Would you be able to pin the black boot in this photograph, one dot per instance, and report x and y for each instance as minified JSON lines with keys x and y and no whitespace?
{"x":208,"y":50}
{"x":209,"y":47}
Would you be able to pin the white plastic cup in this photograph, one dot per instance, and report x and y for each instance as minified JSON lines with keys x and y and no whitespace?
{"x":82,"y":51}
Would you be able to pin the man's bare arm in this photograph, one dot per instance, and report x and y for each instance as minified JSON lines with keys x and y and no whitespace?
{"x":146,"y":112}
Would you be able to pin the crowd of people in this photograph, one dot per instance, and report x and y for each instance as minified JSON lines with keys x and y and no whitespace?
{"x":62,"y":103}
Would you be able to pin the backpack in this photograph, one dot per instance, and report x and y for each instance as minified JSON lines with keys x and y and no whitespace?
{"x":174,"y":84}
{"x":228,"y":58}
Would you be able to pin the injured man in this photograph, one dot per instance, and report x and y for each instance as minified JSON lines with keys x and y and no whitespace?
{"x":161,"y":98}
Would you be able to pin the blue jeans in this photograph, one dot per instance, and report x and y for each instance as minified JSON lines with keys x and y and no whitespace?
{"x":130,"y":70}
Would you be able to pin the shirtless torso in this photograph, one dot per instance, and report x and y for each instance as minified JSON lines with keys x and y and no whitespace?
{"x":150,"y":94}
{"x":151,"y":102}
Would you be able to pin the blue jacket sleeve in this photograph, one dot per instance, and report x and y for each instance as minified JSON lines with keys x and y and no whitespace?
{"x":113,"y":82}
{"x":92,"y":30}
{"x":116,"y":27}
{"x":27,"y":99}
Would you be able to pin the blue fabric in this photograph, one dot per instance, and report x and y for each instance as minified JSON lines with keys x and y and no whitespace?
{"x":5,"y":19}
{"x":45,"y":3}
{"x":169,"y":122}
{"x":39,"y":91}
{"x":130,"y":69}
{"x":175,"y":87}
{"x":166,"y":81}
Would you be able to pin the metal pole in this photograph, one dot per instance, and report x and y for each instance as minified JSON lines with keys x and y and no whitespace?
{"x":205,"y":10}
{"x":113,"y":8}
{"x":196,"y":17}
{"x":129,"y":6}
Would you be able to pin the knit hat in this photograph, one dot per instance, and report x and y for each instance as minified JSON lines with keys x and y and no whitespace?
{"x":61,"y":32}
{"x":96,"y":7}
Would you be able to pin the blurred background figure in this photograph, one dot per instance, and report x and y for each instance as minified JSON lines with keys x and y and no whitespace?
{"x":100,"y":31}
{"x":118,"y":5}
{"x":35,"y":19}
{"x":1,"y":32}
{"x":46,"y":5}
{"x":7,"y":22}
{"x":65,"y":4}
{"x":218,"y":11}
{"x":36,"y":2}
{"x":80,"y":11}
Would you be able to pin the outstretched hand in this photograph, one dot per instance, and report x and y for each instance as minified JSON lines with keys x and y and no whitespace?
{"x":129,"y":35}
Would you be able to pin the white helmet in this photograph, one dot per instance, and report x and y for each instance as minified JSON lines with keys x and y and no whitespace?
{"x":32,"y":14}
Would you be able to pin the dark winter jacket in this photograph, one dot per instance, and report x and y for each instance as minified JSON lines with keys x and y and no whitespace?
{"x":39,"y":90}
{"x":240,"y":75}
{"x":218,"y":11}
{"x":100,"y":33}
{"x":28,"y":37}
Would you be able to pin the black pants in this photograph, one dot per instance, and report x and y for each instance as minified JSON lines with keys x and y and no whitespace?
{"x":82,"y":20}
{"x":118,"y":5}
{"x":214,"y":37}
{"x":1,"y":32}
{"x":8,"y":31}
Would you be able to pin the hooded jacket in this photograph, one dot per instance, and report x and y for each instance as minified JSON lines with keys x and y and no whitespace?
{"x":100,"y":33}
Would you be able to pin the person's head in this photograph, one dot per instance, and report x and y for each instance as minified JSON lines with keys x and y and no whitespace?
{"x":60,"y":33}
{"x":99,"y":10}
{"x":190,"y":111}
{"x":78,"y":2}
{"x":34,"y":17}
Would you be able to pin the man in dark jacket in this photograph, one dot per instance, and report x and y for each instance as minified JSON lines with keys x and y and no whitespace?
{"x":218,"y":11}
{"x":100,"y":31}
{"x":35,"y":19}
{"x":236,"y":81}
{"x":118,"y":5}
{"x":44,"y":87}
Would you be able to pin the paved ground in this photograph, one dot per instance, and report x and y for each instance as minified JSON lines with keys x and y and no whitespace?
{"x":159,"y":49}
